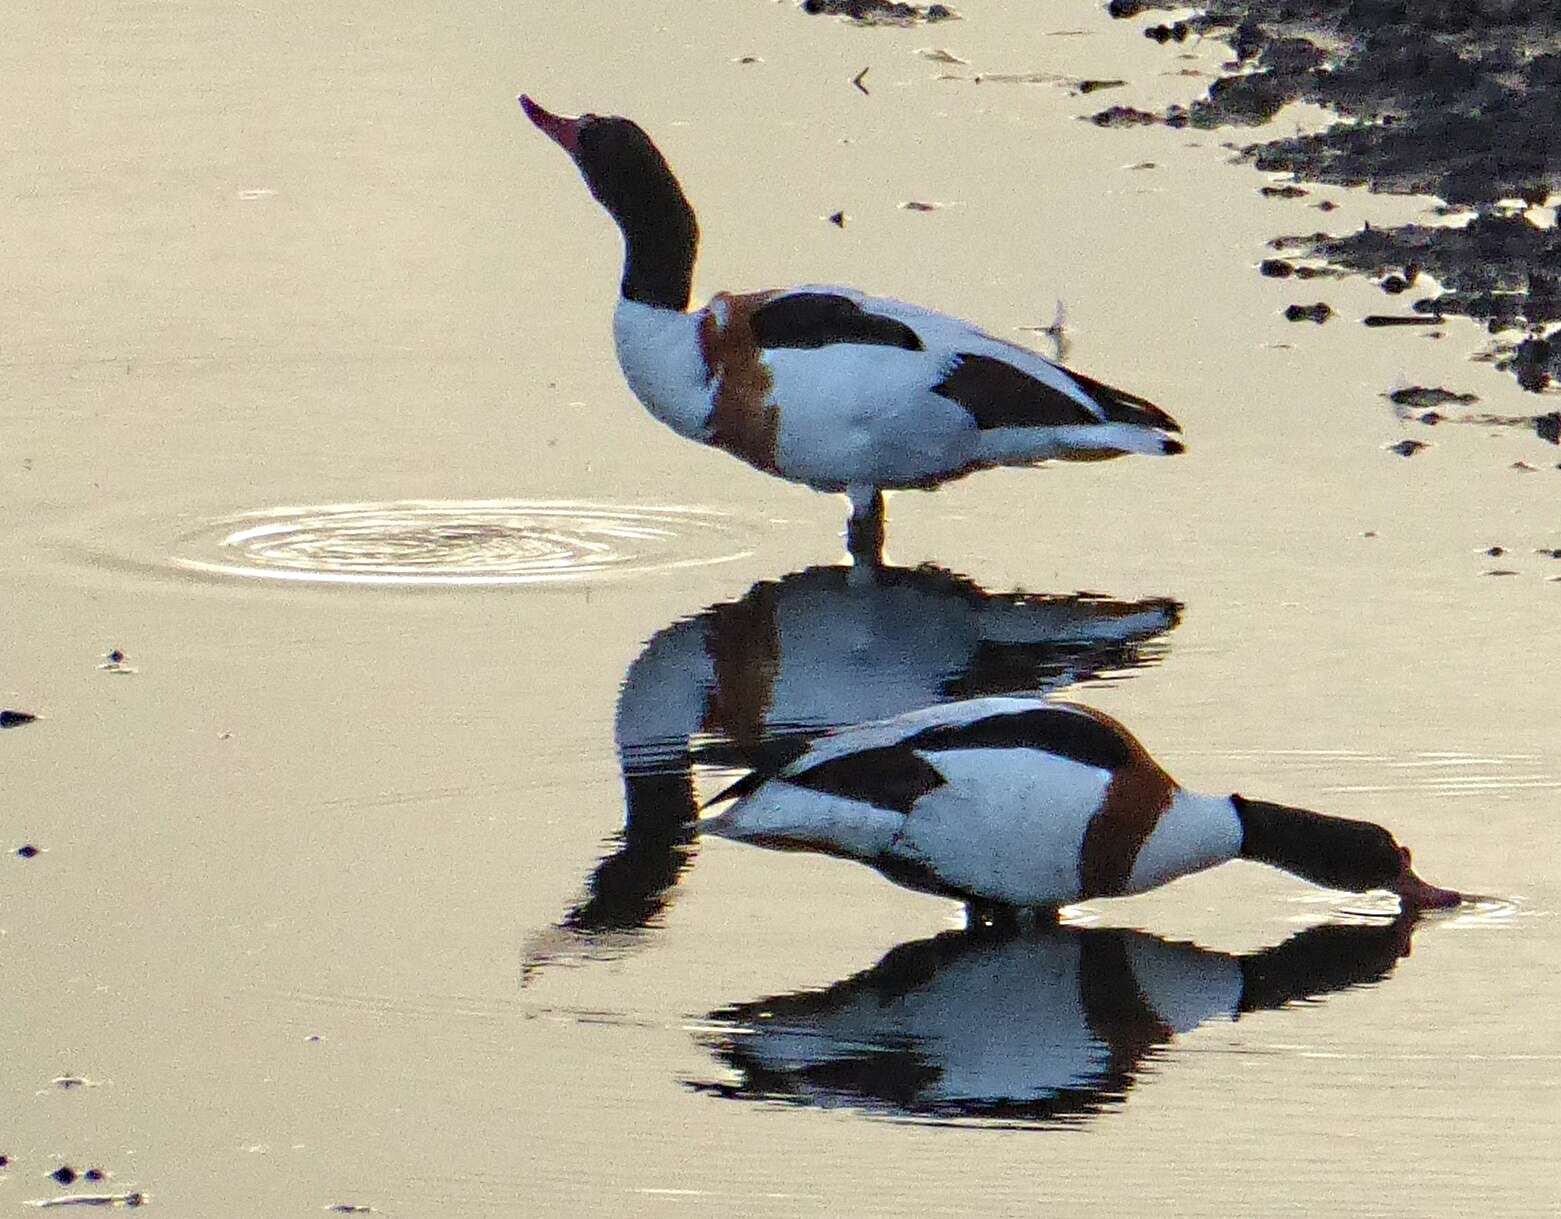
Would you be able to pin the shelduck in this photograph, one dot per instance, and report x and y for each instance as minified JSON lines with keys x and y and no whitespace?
{"x":825,"y":385}
{"x":1026,"y":804}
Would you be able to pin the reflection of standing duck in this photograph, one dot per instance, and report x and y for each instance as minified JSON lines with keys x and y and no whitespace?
{"x":752,"y":679}
{"x":825,"y":385}
{"x":1021,"y":803}
{"x":1049,"y":1024}
{"x":818,"y":649}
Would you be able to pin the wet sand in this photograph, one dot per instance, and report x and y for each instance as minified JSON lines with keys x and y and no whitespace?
{"x":304,"y":926}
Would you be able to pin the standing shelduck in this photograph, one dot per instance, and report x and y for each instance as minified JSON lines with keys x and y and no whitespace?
{"x":1025,"y":804}
{"x":825,"y":385}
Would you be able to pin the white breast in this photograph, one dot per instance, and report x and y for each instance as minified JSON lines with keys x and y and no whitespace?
{"x":1194,"y":833}
{"x":658,"y":351}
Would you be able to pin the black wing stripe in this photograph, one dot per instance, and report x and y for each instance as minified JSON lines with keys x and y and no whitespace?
{"x":999,"y":395}
{"x":820,"y":319}
{"x":1067,"y":734}
{"x":892,"y":777}
{"x":1123,"y":407}
{"x":746,"y":786}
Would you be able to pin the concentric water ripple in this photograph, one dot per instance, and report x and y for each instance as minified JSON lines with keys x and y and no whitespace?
{"x":443,"y":543}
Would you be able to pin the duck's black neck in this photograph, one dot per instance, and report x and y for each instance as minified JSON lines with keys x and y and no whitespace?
{"x":627,"y":175}
{"x":659,"y":245}
{"x":1331,"y":851}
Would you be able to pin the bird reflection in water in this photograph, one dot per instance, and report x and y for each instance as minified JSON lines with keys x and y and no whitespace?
{"x":1049,"y":1025}
{"x":750,"y":681}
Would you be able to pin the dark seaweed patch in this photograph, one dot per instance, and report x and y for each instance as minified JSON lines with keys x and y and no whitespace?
{"x":1422,"y":397}
{"x":1452,"y":98}
{"x":880,"y":12}
{"x":1319,"y":313}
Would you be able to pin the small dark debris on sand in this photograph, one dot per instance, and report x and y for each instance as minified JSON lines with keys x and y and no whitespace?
{"x":1319,"y":313}
{"x":133,"y":1198}
{"x":1422,"y":397}
{"x":1407,"y":448}
{"x":351,"y":1208}
{"x":1282,"y":192}
{"x":15,"y":719}
{"x":4,"y":1160}
{"x":1495,"y":552}
{"x":1381,"y":320}
{"x":1281,"y":268}
{"x":1123,"y":116}
{"x":838,"y":219}
{"x":1094,"y":86}
{"x":28,"y":851}
{"x":114,"y":662}
{"x":880,"y":12}
{"x":1548,"y":426}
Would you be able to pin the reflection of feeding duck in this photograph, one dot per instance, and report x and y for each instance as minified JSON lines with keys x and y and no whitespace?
{"x":1021,"y":803}
{"x":825,"y":385}
{"x":1046,"y":1025}
{"x":745,"y":682}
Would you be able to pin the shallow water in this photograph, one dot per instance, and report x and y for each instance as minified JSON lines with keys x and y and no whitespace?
{"x":374,"y":885}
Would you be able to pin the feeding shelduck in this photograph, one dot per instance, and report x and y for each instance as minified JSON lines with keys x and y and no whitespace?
{"x":825,"y":385}
{"x":1026,"y":804}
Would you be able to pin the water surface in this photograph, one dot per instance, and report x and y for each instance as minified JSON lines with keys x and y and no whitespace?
{"x":382,"y":892}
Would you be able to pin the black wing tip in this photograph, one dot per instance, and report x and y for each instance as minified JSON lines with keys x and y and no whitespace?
{"x":1172,"y":447}
{"x":746,"y":786}
{"x":1121,"y":406}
